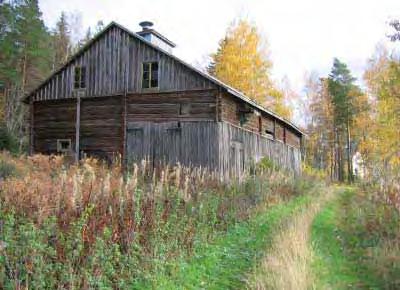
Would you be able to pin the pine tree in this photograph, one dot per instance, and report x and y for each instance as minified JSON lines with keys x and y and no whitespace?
{"x":25,"y":57}
{"x":62,"y":41}
{"x":342,"y":89}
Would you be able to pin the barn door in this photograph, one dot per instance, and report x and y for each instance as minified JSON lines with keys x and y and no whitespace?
{"x":159,"y":143}
{"x":138,"y":142}
{"x":166,"y":142}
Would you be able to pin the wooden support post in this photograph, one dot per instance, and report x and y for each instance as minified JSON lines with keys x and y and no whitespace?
{"x":77,"y":127}
{"x":217,"y":105}
{"x":123,"y":133}
{"x":31,"y":132}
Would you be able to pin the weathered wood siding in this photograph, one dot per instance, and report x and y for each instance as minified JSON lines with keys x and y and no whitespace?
{"x":221,"y":147}
{"x":101,"y":132}
{"x":279,"y":132}
{"x":198,"y":105}
{"x":53,"y":120}
{"x":188,"y":118}
{"x":114,"y":65}
{"x":239,"y":149}
{"x":292,"y":138}
{"x":229,"y":112}
{"x":191,"y":144}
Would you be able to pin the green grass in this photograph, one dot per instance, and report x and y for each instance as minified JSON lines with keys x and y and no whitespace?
{"x":330,"y":265}
{"x":334,"y":265}
{"x":224,"y":263}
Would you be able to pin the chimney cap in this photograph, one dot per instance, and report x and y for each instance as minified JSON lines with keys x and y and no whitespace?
{"x":146,"y":24}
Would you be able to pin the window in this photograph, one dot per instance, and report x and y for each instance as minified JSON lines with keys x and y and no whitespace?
{"x":184,"y":109}
{"x":150,"y":75}
{"x":63,"y":145}
{"x":80,"y":77}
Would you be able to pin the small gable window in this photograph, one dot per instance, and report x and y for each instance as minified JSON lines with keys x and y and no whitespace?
{"x":80,"y":77}
{"x":150,"y":75}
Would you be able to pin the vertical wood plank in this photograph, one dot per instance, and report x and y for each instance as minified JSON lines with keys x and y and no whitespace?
{"x":77,"y":127}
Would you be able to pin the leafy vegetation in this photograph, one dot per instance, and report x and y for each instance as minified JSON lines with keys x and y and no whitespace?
{"x":242,"y":61}
{"x":356,"y":241}
{"x":88,"y":225}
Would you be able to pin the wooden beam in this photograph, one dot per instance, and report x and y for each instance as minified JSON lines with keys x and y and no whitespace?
{"x":77,"y":127}
{"x":123,"y":133}
{"x":217,"y":105}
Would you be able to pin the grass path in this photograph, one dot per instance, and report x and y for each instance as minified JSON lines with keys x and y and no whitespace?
{"x":293,"y":245}
{"x":287,"y":263}
{"x":224,"y":263}
{"x":339,"y":263}
{"x":332,"y":268}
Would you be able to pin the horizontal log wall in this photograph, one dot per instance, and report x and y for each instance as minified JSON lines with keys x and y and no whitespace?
{"x":292,"y":138}
{"x":199,"y":105}
{"x":101,"y":132}
{"x":230,"y":113}
{"x":279,"y":132}
{"x":52,"y":121}
{"x":114,"y":65}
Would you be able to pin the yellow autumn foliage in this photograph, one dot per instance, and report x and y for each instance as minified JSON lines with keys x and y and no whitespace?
{"x":242,"y":62}
{"x":383,"y":80}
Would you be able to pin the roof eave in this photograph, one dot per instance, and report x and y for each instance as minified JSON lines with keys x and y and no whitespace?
{"x":216,"y":81}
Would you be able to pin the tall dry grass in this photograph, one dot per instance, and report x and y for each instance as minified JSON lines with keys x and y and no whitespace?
{"x":286,"y":264}
{"x":91,"y":225}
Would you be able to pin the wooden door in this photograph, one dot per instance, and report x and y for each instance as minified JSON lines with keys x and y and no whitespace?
{"x":139,"y":142}
{"x":158,"y":143}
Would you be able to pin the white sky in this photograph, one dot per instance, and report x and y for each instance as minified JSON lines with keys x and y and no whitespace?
{"x":304,"y":35}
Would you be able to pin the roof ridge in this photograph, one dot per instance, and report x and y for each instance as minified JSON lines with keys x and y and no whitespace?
{"x":213,"y":79}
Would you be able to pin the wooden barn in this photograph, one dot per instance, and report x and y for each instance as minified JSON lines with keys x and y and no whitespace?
{"x":126,"y":94}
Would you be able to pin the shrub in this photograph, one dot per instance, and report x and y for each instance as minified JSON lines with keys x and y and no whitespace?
{"x":90,"y":225}
{"x":7,"y":169}
{"x":370,"y":228}
{"x":8,"y":141}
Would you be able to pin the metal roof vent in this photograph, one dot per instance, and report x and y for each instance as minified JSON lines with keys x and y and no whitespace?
{"x":155,"y":37}
{"x":146,"y":25}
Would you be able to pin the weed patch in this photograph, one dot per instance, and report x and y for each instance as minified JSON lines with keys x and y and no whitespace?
{"x":89,"y":225}
{"x":351,"y":250}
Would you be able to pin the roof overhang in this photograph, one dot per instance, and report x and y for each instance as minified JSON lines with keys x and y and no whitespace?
{"x":214,"y":80}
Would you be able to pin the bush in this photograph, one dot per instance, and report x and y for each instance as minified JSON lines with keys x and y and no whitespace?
{"x":89,"y":225}
{"x":8,"y":141}
{"x":371,"y":235}
{"x":7,"y":169}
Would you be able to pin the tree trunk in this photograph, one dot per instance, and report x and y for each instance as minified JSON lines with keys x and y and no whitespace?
{"x":349,"y":164}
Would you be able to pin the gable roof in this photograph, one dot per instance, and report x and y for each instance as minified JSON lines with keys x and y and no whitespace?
{"x":236,"y":93}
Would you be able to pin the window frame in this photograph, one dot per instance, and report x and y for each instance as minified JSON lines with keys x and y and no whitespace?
{"x":150,"y":63}
{"x":80,"y":83}
{"x":60,"y":147}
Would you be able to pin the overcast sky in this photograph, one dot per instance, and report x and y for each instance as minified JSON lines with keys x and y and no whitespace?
{"x":304,"y":35}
